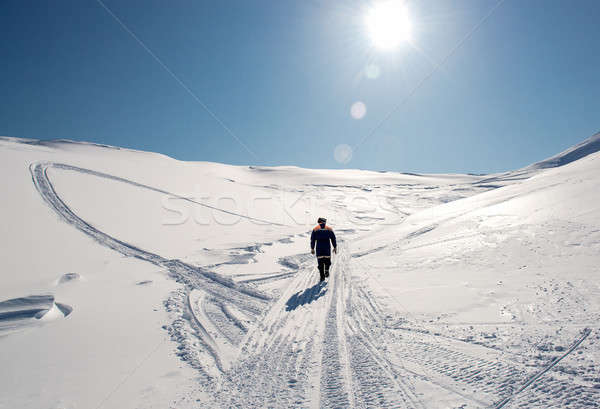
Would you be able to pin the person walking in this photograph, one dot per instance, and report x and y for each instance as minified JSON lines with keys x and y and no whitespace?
{"x":320,"y":238}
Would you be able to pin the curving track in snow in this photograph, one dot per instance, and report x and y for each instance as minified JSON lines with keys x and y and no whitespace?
{"x":222,"y":289}
{"x":316,"y":345}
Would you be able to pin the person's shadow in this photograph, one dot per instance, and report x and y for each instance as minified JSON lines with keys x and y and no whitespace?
{"x":307,"y":296}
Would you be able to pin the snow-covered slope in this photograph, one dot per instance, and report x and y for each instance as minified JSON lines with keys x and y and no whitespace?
{"x":131,"y":279}
{"x":581,"y":150}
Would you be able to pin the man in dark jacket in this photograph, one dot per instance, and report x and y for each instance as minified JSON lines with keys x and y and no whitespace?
{"x":321,"y":235}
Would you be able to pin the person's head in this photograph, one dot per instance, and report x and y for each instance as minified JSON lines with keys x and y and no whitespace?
{"x":321,"y":221}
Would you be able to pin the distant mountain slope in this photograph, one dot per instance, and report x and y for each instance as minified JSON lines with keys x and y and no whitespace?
{"x":583,"y":149}
{"x":574,"y":153}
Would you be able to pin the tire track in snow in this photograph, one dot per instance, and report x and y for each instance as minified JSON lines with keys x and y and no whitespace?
{"x":442,"y":362}
{"x":479,"y":374}
{"x":77,"y":169}
{"x":377,"y":382}
{"x":538,"y":375}
{"x":274,"y":354}
{"x":224,"y":290}
{"x":277,"y":363}
{"x":337,"y":342}
{"x":334,"y":385}
{"x":354,"y":372}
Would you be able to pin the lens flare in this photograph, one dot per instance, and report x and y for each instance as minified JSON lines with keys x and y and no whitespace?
{"x":372,"y":71}
{"x":358,"y":110}
{"x":342,"y":153}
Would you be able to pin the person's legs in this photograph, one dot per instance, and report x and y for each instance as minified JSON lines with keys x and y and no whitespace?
{"x":321,"y":263}
{"x":327,"y":264}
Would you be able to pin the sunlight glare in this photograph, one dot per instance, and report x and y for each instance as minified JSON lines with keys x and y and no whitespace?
{"x":388,"y":24}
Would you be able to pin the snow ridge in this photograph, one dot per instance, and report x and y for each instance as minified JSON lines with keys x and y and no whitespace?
{"x":581,"y":150}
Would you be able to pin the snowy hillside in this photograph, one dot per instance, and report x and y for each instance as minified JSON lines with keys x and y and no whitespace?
{"x":585,"y":148}
{"x":130,"y":279}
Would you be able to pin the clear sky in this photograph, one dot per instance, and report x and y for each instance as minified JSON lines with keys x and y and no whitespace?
{"x":283,"y":76}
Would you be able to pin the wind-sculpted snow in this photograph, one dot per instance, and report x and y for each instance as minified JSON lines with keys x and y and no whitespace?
{"x":25,"y":307}
{"x":20,"y":313}
{"x":68,"y":277}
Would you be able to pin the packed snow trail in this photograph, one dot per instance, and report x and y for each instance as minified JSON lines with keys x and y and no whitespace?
{"x":319,"y":344}
{"x":306,"y":354}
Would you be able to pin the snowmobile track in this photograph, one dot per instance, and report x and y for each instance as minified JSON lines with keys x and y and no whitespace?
{"x":538,"y":375}
{"x":220,"y":288}
{"x":320,"y":345}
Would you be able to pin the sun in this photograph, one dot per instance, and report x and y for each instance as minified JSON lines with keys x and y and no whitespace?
{"x":388,"y":24}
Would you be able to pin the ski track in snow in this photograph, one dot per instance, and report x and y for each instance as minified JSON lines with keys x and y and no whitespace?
{"x":321,"y":345}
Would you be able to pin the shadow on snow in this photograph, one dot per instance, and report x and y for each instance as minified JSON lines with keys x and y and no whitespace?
{"x":307,"y":296}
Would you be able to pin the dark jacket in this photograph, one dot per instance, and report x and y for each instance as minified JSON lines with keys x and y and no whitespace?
{"x":321,"y":235}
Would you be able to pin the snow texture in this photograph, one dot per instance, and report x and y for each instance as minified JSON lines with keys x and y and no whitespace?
{"x":134,"y":280}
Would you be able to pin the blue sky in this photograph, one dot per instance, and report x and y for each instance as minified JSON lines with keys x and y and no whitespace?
{"x":283,"y":75}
